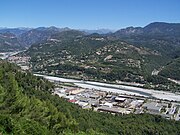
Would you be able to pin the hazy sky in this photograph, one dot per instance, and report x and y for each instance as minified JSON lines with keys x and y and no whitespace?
{"x":87,"y":14}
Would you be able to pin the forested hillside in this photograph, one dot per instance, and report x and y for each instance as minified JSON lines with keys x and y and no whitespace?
{"x":9,"y":42}
{"x":159,"y":36}
{"x":95,"y":57}
{"x":38,"y":35}
{"x":74,"y":54}
{"x":27,"y":107}
{"x":172,"y":70}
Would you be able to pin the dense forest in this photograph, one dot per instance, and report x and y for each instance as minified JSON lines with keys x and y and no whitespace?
{"x":172,"y":70}
{"x":28,"y":107}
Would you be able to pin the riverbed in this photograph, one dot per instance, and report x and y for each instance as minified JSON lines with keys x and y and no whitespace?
{"x":120,"y":89}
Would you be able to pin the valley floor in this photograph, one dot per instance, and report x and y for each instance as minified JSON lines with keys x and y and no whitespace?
{"x":114,"y":98}
{"x":120,"y":89}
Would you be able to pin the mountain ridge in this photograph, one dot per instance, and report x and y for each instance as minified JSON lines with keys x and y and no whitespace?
{"x":161,"y":38}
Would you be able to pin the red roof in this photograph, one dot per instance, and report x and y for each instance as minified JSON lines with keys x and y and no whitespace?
{"x":72,"y":100}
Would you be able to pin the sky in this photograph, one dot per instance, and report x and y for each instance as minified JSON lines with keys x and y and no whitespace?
{"x":87,"y":14}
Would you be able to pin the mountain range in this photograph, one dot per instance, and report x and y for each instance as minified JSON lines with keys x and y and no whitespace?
{"x":9,"y":42}
{"x":129,"y":54}
{"x":157,"y":35}
{"x":163,"y":37}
